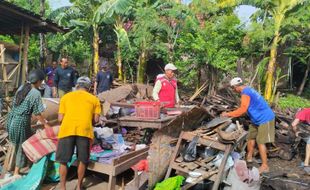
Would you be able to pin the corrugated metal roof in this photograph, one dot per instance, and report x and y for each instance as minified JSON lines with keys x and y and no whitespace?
{"x":13,"y":18}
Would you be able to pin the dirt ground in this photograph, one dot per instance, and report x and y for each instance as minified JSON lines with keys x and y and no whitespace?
{"x":290,"y":167}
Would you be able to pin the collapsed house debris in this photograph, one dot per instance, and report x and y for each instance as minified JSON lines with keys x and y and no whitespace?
{"x":190,"y":141}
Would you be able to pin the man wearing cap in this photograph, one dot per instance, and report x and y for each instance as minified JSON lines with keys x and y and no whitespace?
{"x":78,"y":110}
{"x":262,"y":129}
{"x":104,"y":79}
{"x":166,"y":89}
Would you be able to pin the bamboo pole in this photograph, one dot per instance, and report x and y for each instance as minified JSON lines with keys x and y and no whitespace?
{"x":202,"y":88}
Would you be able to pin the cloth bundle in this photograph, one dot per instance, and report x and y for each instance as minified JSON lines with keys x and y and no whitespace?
{"x":41,"y":143}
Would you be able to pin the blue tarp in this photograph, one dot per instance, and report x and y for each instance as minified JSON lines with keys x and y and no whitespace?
{"x":33,"y":179}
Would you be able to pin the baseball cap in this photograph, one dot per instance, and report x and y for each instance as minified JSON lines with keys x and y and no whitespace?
{"x":235,"y":81}
{"x":170,"y":66}
{"x":103,"y":63}
{"x":84,"y":81}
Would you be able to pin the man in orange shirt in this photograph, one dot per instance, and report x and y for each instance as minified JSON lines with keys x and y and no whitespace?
{"x":77,"y":110}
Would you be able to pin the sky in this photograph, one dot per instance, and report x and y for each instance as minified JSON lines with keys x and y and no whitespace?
{"x":244,"y":11}
{"x":58,"y":3}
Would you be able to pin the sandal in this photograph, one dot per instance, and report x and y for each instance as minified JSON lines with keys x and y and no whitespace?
{"x":264,"y":171}
{"x":307,"y":170}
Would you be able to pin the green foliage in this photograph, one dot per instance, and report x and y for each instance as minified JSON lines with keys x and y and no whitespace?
{"x":206,"y":34}
{"x":32,"y":5}
{"x":292,"y":101}
{"x":109,"y":8}
{"x":76,"y":48}
{"x":34,"y":52}
{"x":7,"y":39}
{"x":297,"y":33}
{"x":215,"y":41}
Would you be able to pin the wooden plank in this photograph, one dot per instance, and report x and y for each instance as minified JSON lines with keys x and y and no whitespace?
{"x":125,"y":157}
{"x":206,"y":142}
{"x":203,"y":177}
{"x":4,"y":71}
{"x":112,"y":182}
{"x":98,"y":167}
{"x":141,"y":124}
{"x":174,"y":156}
{"x":136,"y":119}
{"x":176,"y":166}
{"x":222,"y":168}
{"x":129,"y":163}
{"x":11,"y":74}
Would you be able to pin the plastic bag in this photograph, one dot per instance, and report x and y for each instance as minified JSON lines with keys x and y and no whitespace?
{"x":191,"y":150}
{"x":172,"y":183}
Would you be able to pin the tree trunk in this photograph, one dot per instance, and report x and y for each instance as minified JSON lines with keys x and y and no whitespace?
{"x":25,"y":54}
{"x":141,"y":67}
{"x":198,"y":78}
{"x":304,"y":80}
{"x":95,"y":50}
{"x":271,"y":67}
{"x":212,"y":80}
{"x":42,"y":38}
{"x":119,"y":63}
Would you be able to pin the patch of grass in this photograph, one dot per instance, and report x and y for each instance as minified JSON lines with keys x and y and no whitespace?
{"x":293,"y":101}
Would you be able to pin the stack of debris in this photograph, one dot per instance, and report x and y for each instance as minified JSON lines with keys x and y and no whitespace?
{"x":286,"y":143}
{"x":207,"y":155}
{"x":135,"y":136}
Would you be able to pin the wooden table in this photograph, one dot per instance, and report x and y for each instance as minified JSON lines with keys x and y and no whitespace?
{"x":132,"y":121}
{"x":118,"y":165}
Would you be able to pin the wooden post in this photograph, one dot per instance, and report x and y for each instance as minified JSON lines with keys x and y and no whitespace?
{"x":25,"y":54}
{"x":18,"y":82}
{"x":4,"y":71}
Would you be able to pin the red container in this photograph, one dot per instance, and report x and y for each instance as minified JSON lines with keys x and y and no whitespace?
{"x":147,"y":110}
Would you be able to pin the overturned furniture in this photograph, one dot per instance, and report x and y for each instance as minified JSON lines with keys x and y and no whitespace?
{"x":206,"y":138}
{"x":166,"y":132}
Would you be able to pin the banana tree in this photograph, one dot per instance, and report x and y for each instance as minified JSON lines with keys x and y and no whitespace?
{"x":87,"y":16}
{"x":278,"y":12}
{"x":110,"y":11}
{"x":122,"y":41}
{"x":146,"y":25}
